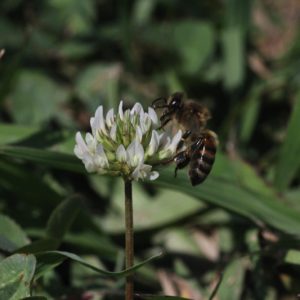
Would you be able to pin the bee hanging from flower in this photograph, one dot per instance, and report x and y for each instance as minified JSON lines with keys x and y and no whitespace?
{"x":198,"y":145}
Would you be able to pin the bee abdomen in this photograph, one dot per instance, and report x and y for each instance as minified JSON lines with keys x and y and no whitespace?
{"x":199,"y":169}
{"x":202,"y":160}
{"x":196,"y":176}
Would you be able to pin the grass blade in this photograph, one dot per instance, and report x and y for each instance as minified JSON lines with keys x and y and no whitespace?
{"x":289,"y":159}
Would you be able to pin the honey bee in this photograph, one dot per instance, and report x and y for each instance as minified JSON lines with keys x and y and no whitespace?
{"x":199,"y":143}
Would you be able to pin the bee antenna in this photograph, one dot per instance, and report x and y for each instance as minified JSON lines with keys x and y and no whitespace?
{"x":164,"y":103}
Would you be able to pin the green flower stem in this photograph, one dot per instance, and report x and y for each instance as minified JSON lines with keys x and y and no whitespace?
{"x":129,"y":245}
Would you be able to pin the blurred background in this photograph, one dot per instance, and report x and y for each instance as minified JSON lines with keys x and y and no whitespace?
{"x":64,"y":58}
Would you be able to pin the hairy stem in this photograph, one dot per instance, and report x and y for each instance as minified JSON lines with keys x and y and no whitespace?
{"x":129,"y":245}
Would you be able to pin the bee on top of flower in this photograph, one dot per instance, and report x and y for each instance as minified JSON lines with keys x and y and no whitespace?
{"x":128,"y":143}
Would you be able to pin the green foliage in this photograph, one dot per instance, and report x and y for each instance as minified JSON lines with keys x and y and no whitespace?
{"x":231,"y":286}
{"x":194,"y":42}
{"x":35,"y":298}
{"x":50,"y":259}
{"x":62,"y":218}
{"x":41,"y":95}
{"x":288,"y":161}
{"x":12,"y":236}
{"x":234,"y":60}
{"x":293,"y":257}
{"x":162,"y":298}
{"x":61,"y":227}
{"x":16,"y":273}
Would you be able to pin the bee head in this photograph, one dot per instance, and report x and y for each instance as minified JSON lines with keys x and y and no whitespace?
{"x":175,"y":102}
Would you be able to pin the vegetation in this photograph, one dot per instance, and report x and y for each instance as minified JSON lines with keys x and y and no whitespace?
{"x":236,"y":236}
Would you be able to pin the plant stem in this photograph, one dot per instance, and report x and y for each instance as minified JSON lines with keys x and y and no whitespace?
{"x":129,"y":245}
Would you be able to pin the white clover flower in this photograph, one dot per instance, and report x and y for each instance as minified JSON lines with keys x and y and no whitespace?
{"x":126,"y":144}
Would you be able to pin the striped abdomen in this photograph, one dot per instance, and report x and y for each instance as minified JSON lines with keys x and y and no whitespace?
{"x":202,"y":158}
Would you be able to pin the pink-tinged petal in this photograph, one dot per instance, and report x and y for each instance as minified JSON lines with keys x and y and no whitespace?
{"x":136,"y":174}
{"x":135,"y":153}
{"x":121,"y":154}
{"x":153,"y":116}
{"x":80,"y":141}
{"x":164,"y":140}
{"x":99,"y":120}
{"x":80,"y":147}
{"x":154,"y":143}
{"x":78,"y":152}
{"x":89,"y":139}
{"x":138,"y":134}
{"x":143,"y":171}
{"x":89,"y":165}
{"x":137,"y":109}
{"x":145,"y":123}
{"x":96,"y":123}
{"x":153,"y":175}
{"x":121,"y":114}
{"x":92,"y":123}
{"x":100,"y":157}
{"x":176,"y":139}
{"x":113,"y":132}
{"x":110,"y":117}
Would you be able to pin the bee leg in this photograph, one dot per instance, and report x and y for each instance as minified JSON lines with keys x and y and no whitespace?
{"x":181,"y":159}
{"x":185,"y":135}
{"x":165,"y":122}
{"x":197,"y":145}
{"x":155,"y":104}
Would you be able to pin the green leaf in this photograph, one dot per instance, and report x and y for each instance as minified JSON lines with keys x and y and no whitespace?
{"x":238,"y":13}
{"x":10,"y":33}
{"x":97,"y":84}
{"x":190,"y":42}
{"x":234,"y":57}
{"x":16,"y":273}
{"x":91,"y":241}
{"x":51,"y":259}
{"x":75,"y":50}
{"x":232,"y":185}
{"x":76,"y":16}
{"x":232,"y":281}
{"x":177,"y":240}
{"x":45,"y":244}
{"x":157,"y":213}
{"x":35,"y":98}
{"x":98,"y":243}
{"x":292,"y":257}
{"x":292,"y":197}
{"x":238,"y":190}
{"x":231,"y":285}
{"x":35,"y":298}
{"x":142,"y":11}
{"x":12,"y":173}
{"x":289,"y":159}
{"x":62,"y":217}
{"x":14,"y":133}
{"x":194,"y":41}
{"x":152,"y":297}
{"x":46,"y":157}
{"x":44,"y":139}
{"x":11,"y":235}
{"x":250,"y":113}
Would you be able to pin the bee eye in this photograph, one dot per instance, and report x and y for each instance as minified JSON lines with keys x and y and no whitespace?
{"x":175,"y":103}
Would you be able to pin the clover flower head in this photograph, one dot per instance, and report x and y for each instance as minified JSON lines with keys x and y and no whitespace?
{"x":127,"y":143}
